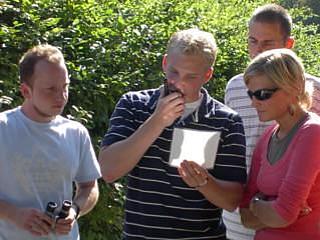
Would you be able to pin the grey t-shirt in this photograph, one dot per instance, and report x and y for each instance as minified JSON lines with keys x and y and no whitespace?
{"x":277,"y":147}
{"x":39,"y":163}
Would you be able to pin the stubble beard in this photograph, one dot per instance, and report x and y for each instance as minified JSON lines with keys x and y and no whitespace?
{"x":45,"y":115}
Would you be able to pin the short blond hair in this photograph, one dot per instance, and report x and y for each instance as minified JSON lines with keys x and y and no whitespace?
{"x":285,"y":70}
{"x":28,"y":61}
{"x":194,"y":42}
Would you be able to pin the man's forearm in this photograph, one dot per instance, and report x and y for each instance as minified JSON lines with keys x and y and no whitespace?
{"x":86,"y":196}
{"x":119,"y":158}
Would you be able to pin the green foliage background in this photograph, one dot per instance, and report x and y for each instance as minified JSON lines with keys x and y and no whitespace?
{"x":115,"y":46}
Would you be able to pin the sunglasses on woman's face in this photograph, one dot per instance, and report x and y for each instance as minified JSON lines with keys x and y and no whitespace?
{"x":262,"y":94}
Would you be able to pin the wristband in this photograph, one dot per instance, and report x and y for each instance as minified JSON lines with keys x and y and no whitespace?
{"x":256,"y":199}
{"x":76,"y":207}
{"x":202,"y":184}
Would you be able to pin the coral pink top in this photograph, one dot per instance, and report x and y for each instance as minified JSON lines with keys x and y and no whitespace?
{"x":294,"y":179}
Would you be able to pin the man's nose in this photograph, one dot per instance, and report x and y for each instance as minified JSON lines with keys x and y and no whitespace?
{"x":172,"y":81}
{"x":62,"y":95}
{"x":261,"y":48}
{"x":176,"y":82}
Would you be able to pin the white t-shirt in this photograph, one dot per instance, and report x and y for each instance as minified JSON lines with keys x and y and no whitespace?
{"x":191,"y":107}
{"x":39,"y":163}
{"x":236,"y":97}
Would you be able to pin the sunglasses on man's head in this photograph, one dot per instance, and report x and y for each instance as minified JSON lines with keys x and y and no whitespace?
{"x":262,"y":94}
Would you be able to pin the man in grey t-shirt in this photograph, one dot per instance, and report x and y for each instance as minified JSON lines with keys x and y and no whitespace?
{"x":42,"y":155}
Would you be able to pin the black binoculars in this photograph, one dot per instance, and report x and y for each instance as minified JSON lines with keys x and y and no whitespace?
{"x":51,"y":209}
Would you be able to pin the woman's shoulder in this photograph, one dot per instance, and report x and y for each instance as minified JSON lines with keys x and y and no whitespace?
{"x":312,"y":125}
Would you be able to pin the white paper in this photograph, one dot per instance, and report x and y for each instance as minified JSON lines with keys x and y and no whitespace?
{"x":194,"y":145}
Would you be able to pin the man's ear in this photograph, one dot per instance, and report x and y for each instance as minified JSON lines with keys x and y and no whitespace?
{"x":208,"y":74}
{"x":164,"y":62}
{"x":290,"y":42}
{"x":25,"y":90}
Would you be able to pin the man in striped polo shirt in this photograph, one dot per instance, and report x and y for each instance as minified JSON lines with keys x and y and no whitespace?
{"x":269,"y":28}
{"x":162,"y":201}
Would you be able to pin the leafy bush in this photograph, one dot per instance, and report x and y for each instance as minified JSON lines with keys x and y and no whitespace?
{"x":115,"y":46}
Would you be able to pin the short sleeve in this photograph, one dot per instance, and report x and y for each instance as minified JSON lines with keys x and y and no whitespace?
{"x":89,"y":168}
{"x":230,"y":161}
{"x":122,"y":122}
